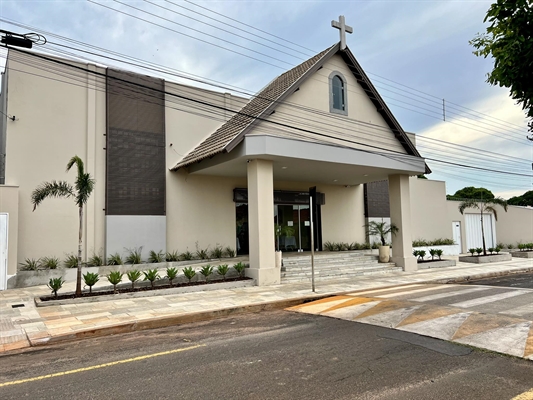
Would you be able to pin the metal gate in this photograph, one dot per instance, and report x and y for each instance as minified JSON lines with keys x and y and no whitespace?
{"x":473,"y":230}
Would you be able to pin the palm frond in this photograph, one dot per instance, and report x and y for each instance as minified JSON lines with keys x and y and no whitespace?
{"x":79,"y":164}
{"x":84,"y":188}
{"x":51,"y":189}
{"x":491,"y":209}
{"x":469,"y":203}
{"x":499,"y":201}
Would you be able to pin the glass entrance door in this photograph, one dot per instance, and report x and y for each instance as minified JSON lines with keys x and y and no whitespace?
{"x":293,"y":225}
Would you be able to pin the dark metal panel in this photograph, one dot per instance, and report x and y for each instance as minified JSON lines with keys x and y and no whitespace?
{"x":240,"y":195}
{"x":377,"y":199}
{"x":135,"y":183}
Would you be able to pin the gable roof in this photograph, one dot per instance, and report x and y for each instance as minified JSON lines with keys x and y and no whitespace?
{"x":232,"y":132}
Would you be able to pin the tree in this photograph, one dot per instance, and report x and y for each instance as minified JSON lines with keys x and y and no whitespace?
{"x":81,"y":191}
{"x":525,"y":200}
{"x":509,"y":41}
{"x":381,"y":229}
{"x":484,"y":207}
{"x":471,"y":192}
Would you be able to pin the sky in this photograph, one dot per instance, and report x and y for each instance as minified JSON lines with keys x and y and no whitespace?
{"x":415,"y":52}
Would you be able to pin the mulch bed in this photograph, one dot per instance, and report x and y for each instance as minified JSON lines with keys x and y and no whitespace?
{"x":140,"y":289}
{"x":427,"y":261}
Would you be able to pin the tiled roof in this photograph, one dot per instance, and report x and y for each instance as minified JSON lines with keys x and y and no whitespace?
{"x":258,"y":105}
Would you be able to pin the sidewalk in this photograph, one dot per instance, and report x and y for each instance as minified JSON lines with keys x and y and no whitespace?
{"x":26,"y":326}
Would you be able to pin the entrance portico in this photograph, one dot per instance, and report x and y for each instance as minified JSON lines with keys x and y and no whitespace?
{"x":265,"y":160}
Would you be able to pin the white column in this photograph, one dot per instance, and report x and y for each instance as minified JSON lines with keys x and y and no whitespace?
{"x":261,"y":223}
{"x":400,"y":214}
{"x":90,"y":166}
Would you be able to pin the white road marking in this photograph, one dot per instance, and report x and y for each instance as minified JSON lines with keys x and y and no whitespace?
{"x":489,"y":299}
{"x":450,"y":294}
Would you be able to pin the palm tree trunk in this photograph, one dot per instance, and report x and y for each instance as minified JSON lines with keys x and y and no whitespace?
{"x":483,"y":232}
{"x":78,"y":279}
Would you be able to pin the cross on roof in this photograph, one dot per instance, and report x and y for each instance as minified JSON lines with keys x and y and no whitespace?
{"x":343,"y":28}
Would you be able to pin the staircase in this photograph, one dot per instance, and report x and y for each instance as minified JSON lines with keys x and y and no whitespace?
{"x":339,"y":265}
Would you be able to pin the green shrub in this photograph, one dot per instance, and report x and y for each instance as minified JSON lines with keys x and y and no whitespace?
{"x":171,"y":274}
{"x":30,"y":264}
{"x":96,"y":260}
{"x":229,"y":252}
{"x":223,"y":270}
{"x":479,"y":250}
{"x":328,"y":246}
{"x":497,"y":250}
{"x":90,"y":280}
{"x":416,"y":253}
{"x":50,"y":262}
{"x":172,"y":256}
{"x":115,"y":259}
{"x":114,"y":278}
{"x":420,"y":243}
{"x":434,"y":242}
{"x":501,"y":245}
{"x":55,"y":284}
{"x":189,"y":273}
{"x":156,"y":257}
{"x":186,"y":256}
{"x":491,"y":250}
{"x":510,"y":246}
{"x":151,"y":275}
{"x":134,"y":256}
{"x":366,"y":246}
{"x":202,"y":254}
{"x":133,"y":276}
{"x":71,"y":261}
{"x":520,"y":246}
{"x":421,"y":254}
{"x":217,"y":252}
{"x":240,"y":267}
{"x":438,"y":252}
{"x":206,"y":271}
{"x":375,"y":246}
{"x":432,"y":253}
{"x":472,"y":251}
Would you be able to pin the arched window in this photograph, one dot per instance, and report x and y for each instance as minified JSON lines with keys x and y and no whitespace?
{"x":337,"y":93}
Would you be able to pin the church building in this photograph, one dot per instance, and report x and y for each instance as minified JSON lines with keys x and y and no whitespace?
{"x":178,"y":167}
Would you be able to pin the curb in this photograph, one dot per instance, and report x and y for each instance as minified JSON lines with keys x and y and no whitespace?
{"x":163,"y":322}
{"x":485,"y":275}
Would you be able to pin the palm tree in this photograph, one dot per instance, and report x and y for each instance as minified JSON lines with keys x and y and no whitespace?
{"x":81,"y":191}
{"x":487,"y":206}
{"x":381,"y":229}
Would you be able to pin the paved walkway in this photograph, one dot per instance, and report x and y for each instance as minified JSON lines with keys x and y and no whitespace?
{"x":27,"y":325}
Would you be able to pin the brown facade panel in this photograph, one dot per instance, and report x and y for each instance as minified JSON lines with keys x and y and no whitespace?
{"x":135,"y":183}
{"x":377,"y":199}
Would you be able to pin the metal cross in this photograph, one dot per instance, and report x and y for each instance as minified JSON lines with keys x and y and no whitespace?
{"x":343,"y":28}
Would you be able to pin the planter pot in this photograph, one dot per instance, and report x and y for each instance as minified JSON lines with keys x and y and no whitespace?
{"x":486,"y":259}
{"x":384,"y":254}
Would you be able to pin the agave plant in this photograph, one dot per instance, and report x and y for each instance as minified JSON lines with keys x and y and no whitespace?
{"x":156,"y":257}
{"x":223,"y":270}
{"x":171,"y":274}
{"x":115,"y":259}
{"x":133,"y":276}
{"x":96,"y":260}
{"x":114,"y":278}
{"x":71,"y":261}
{"x":186,"y":256}
{"x":55,"y":284}
{"x":134,"y":256}
{"x":217,"y":252}
{"x":189,"y":273}
{"x":229,"y":252}
{"x":239,"y":267}
{"x":172,"y":256}
{"x":90,"y":280}
{"x":30,"y":264}
{"x":206,"y":271}
{"x":151,"y":275}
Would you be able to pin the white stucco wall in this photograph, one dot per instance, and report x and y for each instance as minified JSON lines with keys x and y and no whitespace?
{"x":58,"y":114}
{"x":9,"y":203}
{"x":361,"y":124}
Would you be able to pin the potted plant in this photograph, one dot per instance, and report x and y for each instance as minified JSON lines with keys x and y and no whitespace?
{"x":382,"y":229}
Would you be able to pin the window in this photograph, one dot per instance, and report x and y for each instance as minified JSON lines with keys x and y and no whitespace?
{"x":337,"y":94}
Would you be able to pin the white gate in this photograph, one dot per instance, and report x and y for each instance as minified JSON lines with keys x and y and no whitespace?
{"x":456,"y":229}
{"x":473,"y":230}
{"x":3,"y":250}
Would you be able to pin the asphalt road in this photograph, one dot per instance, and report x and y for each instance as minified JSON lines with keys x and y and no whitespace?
{"x":271,"y":355}
{"x":512,"y":280}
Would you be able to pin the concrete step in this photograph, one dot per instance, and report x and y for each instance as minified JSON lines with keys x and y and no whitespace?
{"x":292,"y":268}
{"x":366,"y":271}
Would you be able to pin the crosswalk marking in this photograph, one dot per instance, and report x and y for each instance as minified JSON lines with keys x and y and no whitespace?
{"x":489,"y":299}
{"x":426,"y":289}
{"x":450,"y":294}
